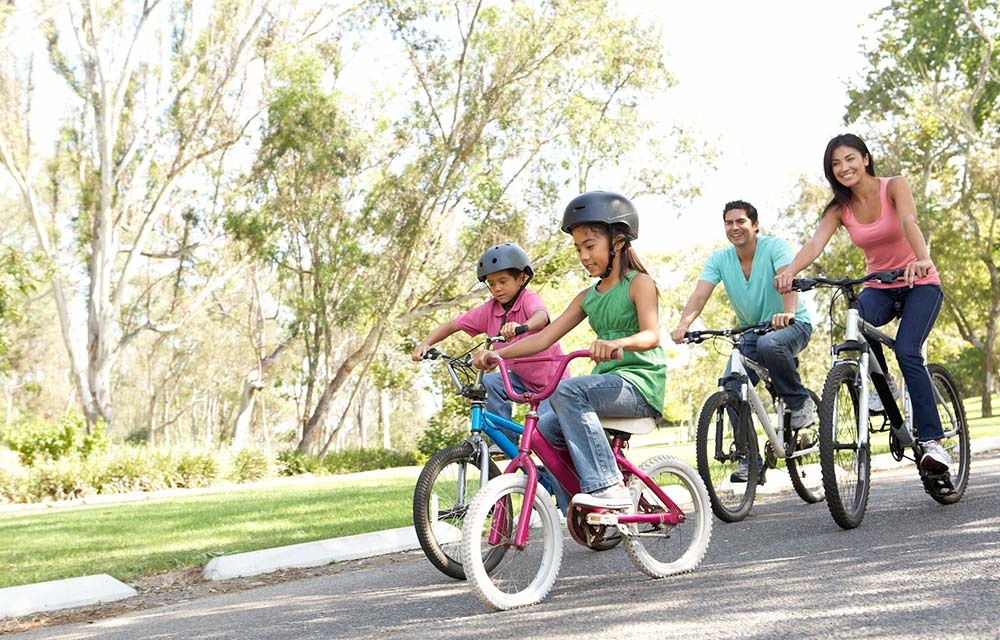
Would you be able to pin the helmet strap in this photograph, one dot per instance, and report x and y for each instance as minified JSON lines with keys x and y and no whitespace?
{"x":611,"y":263}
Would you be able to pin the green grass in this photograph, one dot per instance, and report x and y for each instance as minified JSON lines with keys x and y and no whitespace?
{"x":142,"y":538}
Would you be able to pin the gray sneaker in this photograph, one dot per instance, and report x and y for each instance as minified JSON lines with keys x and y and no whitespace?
{"x":804,"y":415}
{"x":613,"y":497}
{"x":935,"y":459}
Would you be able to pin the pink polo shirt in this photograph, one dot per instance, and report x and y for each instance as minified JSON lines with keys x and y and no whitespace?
{"x":489,"y":317}
{"x":883,"y":242}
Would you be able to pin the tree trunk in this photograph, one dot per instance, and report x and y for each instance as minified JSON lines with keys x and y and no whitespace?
{"x":986,"y":390}
{"x":383,"y":418}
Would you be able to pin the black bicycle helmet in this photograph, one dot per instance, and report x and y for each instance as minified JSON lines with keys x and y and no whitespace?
{"x":601,"y":206}
{"x":501,"y":257}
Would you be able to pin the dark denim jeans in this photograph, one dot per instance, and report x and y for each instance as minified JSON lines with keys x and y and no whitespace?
{"x":776,"y":351}
{"x":921,"y":305}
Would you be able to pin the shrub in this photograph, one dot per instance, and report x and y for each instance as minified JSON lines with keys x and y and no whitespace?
{"x":63,"y":479}
{"x":196,"y":469}
{"x":294,"y":463}
{"x":128,"y":468}
{"x":11,"y":487}
{"x":249,"y":465}
{"x":366,"y":460}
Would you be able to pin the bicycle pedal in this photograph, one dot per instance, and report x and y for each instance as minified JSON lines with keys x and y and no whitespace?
{"x":598,"y":518}
{"x":938,"y":485}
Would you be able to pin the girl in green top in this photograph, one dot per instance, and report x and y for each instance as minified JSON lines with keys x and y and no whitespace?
{"x":629,"y":378}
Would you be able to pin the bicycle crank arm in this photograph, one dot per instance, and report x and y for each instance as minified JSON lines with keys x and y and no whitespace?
{"x":612,"y":519}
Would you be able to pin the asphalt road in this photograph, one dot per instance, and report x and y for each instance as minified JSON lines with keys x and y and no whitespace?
{"x":913,"y":569}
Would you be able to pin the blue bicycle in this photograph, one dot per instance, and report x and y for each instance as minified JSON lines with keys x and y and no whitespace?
{"x":452,"y":476}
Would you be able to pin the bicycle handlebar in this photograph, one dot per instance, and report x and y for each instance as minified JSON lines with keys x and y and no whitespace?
{"x":885,"y":277}
{"x":760,"y":328}
{"x":553,"y":382}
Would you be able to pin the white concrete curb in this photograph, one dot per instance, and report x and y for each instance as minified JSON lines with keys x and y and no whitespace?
{"x":62,"y":594}
{"x":314,"y":554}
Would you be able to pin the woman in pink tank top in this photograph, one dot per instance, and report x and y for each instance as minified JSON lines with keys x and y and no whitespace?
{"x":880,"y":217}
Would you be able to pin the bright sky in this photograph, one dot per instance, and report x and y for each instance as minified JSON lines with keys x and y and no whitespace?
{"x":766,"y":80}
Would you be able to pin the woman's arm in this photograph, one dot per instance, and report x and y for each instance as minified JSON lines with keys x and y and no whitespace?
{"x":828,"y":225}
{"x":642,"y":291}
{"x":902,"y":198}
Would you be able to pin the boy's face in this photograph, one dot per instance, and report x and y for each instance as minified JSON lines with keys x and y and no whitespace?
{"x":503,"y":286}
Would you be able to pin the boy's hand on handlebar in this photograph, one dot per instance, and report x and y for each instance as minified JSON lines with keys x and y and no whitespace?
{"x":605,"y":350}
{"x":782,"y":320}
{"x":485,"y":360}
{"x":509,"y":330}
{"x":917,"y":269}
{"x":419,"y":350}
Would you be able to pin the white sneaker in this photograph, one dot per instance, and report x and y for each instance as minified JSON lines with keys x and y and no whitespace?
{"x":935,"y":458}
{"x":875,"y":402}
{"x":613,"y":497}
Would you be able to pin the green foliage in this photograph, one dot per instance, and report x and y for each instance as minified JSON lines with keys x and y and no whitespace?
{"x":295,"y":463}
{"x":354,"y":460}
{"x":447,"y":427}
{"x":249,"y":465}
{"x":65,"y":478}
{"x":36,"y":440}
{"x":195,"y":469}
{"x":128,"y":468}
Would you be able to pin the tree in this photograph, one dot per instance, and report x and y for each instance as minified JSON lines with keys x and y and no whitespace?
{"x":930,"y":100}
{"x":154,"y":92}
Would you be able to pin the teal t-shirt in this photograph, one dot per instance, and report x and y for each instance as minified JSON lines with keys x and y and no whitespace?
{"x":754,"y":299}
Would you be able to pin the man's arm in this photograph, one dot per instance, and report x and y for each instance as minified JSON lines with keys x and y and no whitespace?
{"x":695,"y":304}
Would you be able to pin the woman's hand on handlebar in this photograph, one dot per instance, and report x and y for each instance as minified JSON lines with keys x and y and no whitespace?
{"x":485,"y":360}
{"x":605,"y":350}
{"x":917,"y":269}
{"x":783,"y":282}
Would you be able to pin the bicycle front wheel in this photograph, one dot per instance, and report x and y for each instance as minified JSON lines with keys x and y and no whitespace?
{"x":441,"y":500}
{"x":728,"y":461}
{"x":804,"y":470}
{"x":956,"y":431}
{"x":846,"y":463}
{"x":660,"y":550}
{"x":524,"y":575}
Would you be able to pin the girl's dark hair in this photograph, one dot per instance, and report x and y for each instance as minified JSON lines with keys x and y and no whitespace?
{"x":842,"y":194}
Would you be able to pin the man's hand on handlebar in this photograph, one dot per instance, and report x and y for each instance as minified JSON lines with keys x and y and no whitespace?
{"x":782,"y":320}
{"x":679,"y":334}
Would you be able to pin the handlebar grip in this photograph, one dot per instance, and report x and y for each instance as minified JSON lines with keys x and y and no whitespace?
{"x":803,"y":284}
{"x":432,"y":354}
{"x":521,"y":328}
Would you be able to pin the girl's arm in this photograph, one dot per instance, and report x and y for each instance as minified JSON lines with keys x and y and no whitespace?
{"x":642,"y":291}
{"x":572,"y":316}
{"x":828,"y":225}
{"x":902,"y":198}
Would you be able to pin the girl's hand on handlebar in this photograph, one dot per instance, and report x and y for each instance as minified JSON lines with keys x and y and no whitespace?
{"x":782,"y":320}
{"x":917,"y":269}
{"x":485,"y":360}
{"x":605,"y":350}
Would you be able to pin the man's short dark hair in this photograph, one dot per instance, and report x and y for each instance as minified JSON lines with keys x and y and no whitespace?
{"x":741,"y":204}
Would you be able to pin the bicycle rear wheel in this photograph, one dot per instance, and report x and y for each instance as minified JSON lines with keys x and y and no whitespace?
{"x":726,"y":437}
{"x":524,"y":576}
{"x":845,"y":462}
{"x":660,"y":550}
{"x":956,"y":431}
{"x":441,"y":500}
{"x":805,"y":471}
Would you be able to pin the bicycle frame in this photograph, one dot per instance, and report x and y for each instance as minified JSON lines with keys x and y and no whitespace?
{"x":558,"y":461}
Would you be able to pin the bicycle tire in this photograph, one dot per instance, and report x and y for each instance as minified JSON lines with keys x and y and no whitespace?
{"x":524,"y":576}
{"x":438,"y":482}
{"x":731,"y":501}
{"x":664,"y":550}
{"x":805,"y":472}
{"x":846,"y":465}
{"x":952,"y":413}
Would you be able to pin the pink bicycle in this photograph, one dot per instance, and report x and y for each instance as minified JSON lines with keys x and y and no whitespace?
{"x":668,"y":532}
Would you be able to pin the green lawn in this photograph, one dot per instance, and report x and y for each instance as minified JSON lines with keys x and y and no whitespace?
{"x":134,"y":539}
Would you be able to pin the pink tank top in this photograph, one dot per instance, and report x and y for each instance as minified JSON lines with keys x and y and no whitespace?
{"x":883,"y":243}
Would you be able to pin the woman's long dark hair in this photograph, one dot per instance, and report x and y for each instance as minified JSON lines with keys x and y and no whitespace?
{"x":842,"y":194}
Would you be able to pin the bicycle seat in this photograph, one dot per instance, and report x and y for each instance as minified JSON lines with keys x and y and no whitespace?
{"x":635,"y":426}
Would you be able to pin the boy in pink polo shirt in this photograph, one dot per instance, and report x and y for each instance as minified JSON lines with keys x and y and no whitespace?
{"x":506,"y":270}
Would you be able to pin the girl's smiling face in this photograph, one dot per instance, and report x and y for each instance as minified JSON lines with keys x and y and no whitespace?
{"x":592,"y":249}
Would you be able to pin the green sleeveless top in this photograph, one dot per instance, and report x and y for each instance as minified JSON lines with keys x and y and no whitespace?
{"x":612,"y":315}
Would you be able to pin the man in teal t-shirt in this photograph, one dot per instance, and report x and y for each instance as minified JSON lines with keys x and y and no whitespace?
{"x":747,"y":270}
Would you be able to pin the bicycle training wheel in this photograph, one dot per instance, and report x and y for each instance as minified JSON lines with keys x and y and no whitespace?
{"x":441,"y":500}
{"x":524,"y":576}
{"x":660,"y":550}
{"x":956,"y":431}
{"x":805,"y":471}
{"x":846,"y":464}
{"x":727,"y":440}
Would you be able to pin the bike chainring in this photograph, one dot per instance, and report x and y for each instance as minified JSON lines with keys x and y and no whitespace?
{"x":770,"y":457}
{"x":583,"y":533}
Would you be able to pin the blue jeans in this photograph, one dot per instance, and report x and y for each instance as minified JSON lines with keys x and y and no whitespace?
{"x":776,"y":351}
{"x":497,"y":401}
{"x":573,"y":424}
{"x":921,"y":305}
